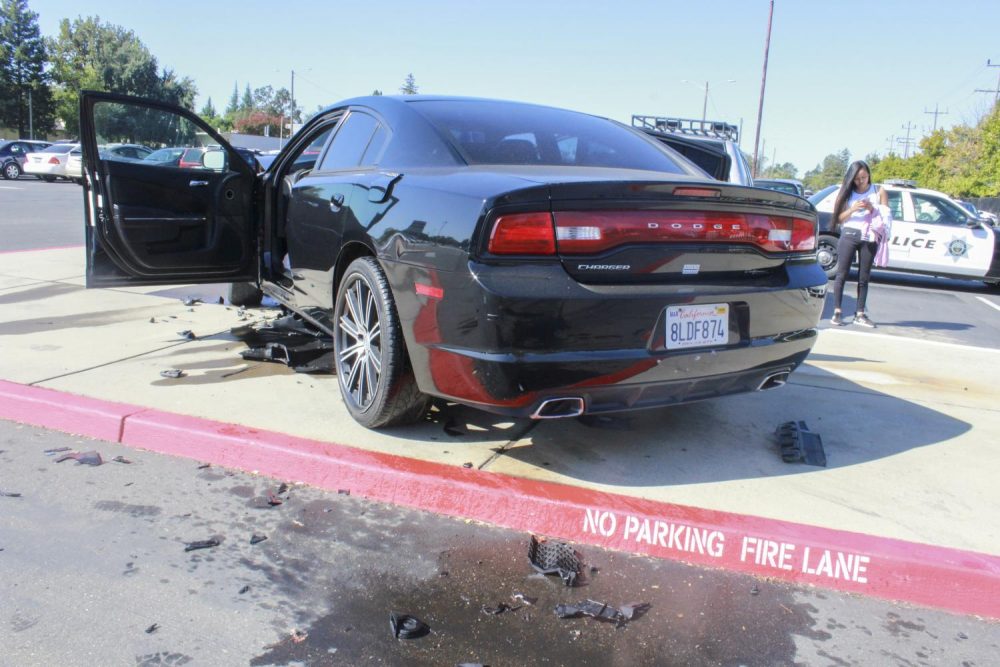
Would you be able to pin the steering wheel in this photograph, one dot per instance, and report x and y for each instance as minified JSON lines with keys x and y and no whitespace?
{"x":925,"y":217}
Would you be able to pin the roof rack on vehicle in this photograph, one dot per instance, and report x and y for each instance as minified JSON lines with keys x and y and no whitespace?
{"x":704,"y":128}
{"x":901,"y":182}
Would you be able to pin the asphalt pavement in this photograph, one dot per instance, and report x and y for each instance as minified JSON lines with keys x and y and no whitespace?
{"x":97,"y":571}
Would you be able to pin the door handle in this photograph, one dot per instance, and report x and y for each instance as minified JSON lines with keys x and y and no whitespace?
{"x":197,"y":184}
{"x":336,"y":201}
{"x":922,"y":231}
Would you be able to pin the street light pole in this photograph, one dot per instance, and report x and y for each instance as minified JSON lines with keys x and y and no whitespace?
{"x":763,"y":82}
{"x":704,"y":106}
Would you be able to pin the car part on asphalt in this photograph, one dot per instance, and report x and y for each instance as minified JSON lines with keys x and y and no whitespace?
{"x":243,"y":590}
{"x":202,"y":544}
{"x":9,"y":494}
{"x":173,"y":373}
{"x":554,"y":558}
{"x":121,"y":459}
{"x":407,"y":627}
{"x":187,"y":334}
{"x":288,"y":340}
{"x":56,"y":450}
{"x":601,"y":611}
{"x":498,"y":609}
{"x":257,"y":539}
{"x":84,"y":458}
{"x":153,"y":628}
{"x":799,"y":444}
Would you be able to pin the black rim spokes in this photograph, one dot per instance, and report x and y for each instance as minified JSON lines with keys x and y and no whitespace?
{"x":360,"y":357}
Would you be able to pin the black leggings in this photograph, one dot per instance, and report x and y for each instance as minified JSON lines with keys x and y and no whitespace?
{"x":850,"y":244}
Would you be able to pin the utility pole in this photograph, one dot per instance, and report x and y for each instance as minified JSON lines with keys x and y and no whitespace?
{"x":31,"y":117}
{"x":936,"y":114}
{"x":997,"y":91}
{"x":892,"y":142}
{"x":906,"y":142}
{"x":704,"y":106}
{"x":292,"y":93}
{"x":763,"y":82}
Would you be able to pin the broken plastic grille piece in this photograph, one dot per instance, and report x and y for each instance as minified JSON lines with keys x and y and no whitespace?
{"x":554,"y":558}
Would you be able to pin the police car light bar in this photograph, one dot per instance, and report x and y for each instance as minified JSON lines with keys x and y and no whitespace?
{"x":901,"y":182}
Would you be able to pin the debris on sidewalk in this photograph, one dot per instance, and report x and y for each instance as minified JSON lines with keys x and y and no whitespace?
{"x":244,"y":590}
{"x":84,"y":458}
{"x":798,"y":444}
{"x":407,"y":627}
{"x":498,"y":609}
{"x":202,"y":544}
{"x":601,"y":611}
{"x":153,"y":628}
{"x":172,"y":373}
{"x":192,"y":301}
{"x":296,"y":637}
{"x":257,"y":539}
{"x":9,"y":494}
{"x":187,"y":334}
{"x":121,"y":459}
{"x":524,"y":599}
{"x":290,"y":341}
{"x":56,"y":450}
{"x":554,"y":558}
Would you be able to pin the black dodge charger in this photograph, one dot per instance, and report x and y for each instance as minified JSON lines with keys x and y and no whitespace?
{"x":526,"y":260}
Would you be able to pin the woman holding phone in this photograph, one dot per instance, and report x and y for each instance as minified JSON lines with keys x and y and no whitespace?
{"x":852,"y":214}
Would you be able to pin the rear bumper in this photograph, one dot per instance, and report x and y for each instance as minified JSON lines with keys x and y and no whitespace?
{"x":44,"y":169}
{"x":508,"y":339}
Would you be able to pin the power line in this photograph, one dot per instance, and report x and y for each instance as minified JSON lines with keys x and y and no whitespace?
{"x":906,"y":142}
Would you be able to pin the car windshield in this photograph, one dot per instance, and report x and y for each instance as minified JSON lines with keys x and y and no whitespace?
{"x":778,"y":185}
{"x":817,"y":197}
{"x":164,"y":154}
{"x":487,"y":132}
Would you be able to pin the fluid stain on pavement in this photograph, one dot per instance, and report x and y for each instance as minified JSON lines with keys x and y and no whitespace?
{"x":456,"y":584}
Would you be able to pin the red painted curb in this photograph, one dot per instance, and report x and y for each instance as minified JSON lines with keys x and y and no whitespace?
{"x":960,"y":581}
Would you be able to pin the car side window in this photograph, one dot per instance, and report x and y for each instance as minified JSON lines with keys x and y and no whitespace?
{"x":932,"y":209}
{"x":350,"y":142}
{"x":306,"y":158}
{"x":896,"y":205}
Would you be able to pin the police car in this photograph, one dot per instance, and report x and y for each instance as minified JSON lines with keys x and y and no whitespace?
{"x":931,"y":234}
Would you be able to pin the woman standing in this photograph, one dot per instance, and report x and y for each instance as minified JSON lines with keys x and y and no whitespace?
{"x":852,"y":214}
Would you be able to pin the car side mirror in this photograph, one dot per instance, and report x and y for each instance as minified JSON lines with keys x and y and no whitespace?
{"x":214,"y":160}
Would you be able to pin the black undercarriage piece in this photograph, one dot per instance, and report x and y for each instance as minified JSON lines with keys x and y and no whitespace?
{"x":798,"y":444}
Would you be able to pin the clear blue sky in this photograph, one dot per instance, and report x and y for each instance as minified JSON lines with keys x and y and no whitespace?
{"x":841,"y":74}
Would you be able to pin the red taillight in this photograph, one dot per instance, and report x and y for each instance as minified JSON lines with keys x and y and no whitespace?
{"x":53,"y":160}
{"x":523,"y":234}
{"x":588,"y":232}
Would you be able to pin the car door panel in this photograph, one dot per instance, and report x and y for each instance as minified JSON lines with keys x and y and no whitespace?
{"x":152,"y":224}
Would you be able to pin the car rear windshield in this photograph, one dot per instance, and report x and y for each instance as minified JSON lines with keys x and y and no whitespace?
{"x":487,"y":132}
{"x":60,"y":148}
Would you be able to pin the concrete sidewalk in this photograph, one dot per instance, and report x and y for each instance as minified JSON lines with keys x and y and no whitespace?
{"x":911,"y":431}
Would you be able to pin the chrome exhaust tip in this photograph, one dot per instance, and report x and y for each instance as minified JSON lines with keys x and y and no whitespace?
{"x":558,"y":408}
{"x":773,"y":381}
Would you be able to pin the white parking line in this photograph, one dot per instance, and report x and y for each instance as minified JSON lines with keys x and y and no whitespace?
{"x":9,"y":187}
{"x":988,"y":302}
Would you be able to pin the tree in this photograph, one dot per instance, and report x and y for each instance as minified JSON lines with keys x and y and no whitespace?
{"x":246,"y":102}
{"x":409,"y":86}
{"x":23,"y":79}
{"x":89,"y":54}
{"x":208,"y":110}
{"x":784,"y":170}
{"x":376,"y":92}
{"x":234,"y":101}
{"x":831,"y":171}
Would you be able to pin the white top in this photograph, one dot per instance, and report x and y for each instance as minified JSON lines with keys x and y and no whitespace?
{"x":859,"y":219}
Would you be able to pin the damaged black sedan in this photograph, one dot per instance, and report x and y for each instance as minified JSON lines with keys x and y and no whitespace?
{"x":526,"y":260}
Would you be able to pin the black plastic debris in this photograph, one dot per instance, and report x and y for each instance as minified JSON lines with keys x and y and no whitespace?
{"x":221,"y":301}
{"x":9,"y":494}
{"x":121,"y":459}
{"x":467,"y":464}
{"x":407,"y":627}
{"x":192,"y":301}
{"x":153,"y":628}
{"x":152,"y":320}
{"x":498,"y":609}
{"x":202,"y":544}
{"x":554,"y":558}
{"x":273,"y":500}
{"x":754,"y":590}
{"x":257,"y":539}
{"x":204,"y":465}
{"x":57,"y":450}
{"x":798,"y":444}
{"x":83,"y":458}
{"x":187,"y":334}
{"x":288,"y":340}
{"x":601,"y":611}
{"x":523,"y":599}
{"x":243,"y":590}
{"x":172,"y":373}
{"x":344,"y":492}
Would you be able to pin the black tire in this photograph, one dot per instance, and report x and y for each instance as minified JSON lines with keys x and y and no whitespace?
{"x":48,"y":179}
{"x":245,"y":294}
{"x":12,"y":171}
{"x":373,"y":368}
{"x":826,"y":254}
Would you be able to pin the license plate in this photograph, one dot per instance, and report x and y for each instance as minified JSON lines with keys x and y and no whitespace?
{"x":697,"y":326}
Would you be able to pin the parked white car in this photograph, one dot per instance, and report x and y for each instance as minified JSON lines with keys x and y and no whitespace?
{"x":74,"y":167}
{"x":50,"y":163}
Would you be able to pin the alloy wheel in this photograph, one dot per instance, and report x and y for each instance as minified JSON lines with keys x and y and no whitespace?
{"x":359,"y":330}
